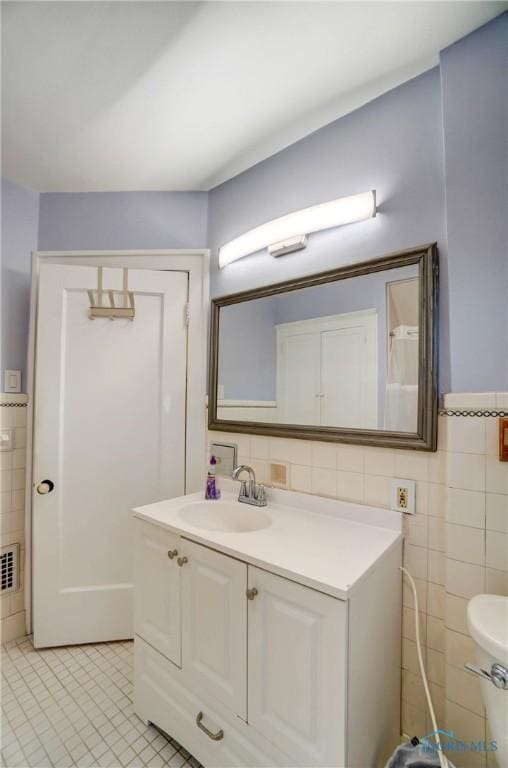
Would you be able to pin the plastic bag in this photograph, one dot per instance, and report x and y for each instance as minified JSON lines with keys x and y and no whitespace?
{"x":414,"y":754}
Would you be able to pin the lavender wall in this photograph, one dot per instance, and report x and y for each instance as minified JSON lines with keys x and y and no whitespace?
{"x":123,"y":220}
{"x":403,"y":144}
{"x":474,"y":75}
{"x":440,"y":174}
{"x":247,"y":352}
{"x":20,"y":221}
{"x":393,"y":144}
{"x":90,"y":221}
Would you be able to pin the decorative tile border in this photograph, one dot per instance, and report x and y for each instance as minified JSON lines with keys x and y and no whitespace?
{"x":13,"y":398}
{"x":471,"y":412}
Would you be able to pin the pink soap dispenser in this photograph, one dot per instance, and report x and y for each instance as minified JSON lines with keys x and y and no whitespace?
{"x":212,"y":491}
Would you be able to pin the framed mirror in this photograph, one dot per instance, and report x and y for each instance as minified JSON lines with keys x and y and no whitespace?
{"x":348,"y":355}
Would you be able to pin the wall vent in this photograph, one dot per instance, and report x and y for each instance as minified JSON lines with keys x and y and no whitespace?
{"x":279,"y":475}
{"x":10,"y":567}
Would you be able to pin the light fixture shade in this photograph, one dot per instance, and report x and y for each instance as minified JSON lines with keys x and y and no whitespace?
{"x":344,"y":210}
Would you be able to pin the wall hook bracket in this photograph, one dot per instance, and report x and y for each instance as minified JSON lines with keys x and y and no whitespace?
{"x":98,"y":309}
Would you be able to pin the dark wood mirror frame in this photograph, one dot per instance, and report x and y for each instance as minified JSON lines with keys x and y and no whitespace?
{"x":425,"y":439}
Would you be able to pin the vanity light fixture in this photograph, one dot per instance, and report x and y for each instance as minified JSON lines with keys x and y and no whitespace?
{"x":288,"y":233}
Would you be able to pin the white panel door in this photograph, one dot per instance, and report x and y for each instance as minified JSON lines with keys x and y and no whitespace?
{"x":110,"y":435}
{"x":298,"y":378}
{"x":297,"y":698}
{"x":342,"y":353}
{"x":157,"y":577}
{"x":349,"y":381}
{"x":214,"y":626}
{"x":327,"y":370}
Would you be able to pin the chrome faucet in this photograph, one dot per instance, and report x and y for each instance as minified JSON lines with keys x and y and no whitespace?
{"x":250,"y":491}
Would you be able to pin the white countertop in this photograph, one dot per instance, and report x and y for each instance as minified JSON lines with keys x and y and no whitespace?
{"x":326,"y":544}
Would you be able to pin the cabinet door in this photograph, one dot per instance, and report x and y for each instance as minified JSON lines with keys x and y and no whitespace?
{"x":157,"y":610}
{"x":297,"y":669}
{"x":214,"y":626}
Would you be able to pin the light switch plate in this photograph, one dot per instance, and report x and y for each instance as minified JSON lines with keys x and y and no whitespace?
{"x":226,"y":455}
{"x":403,"y":496}
{"x":12,"y":381}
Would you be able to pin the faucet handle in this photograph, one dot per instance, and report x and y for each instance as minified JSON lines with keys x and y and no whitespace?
{"x":260,"y":493}
{"x":243,"y":489}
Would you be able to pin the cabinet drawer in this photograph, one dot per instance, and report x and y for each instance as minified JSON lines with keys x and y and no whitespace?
{"x":157,"y":600}
{"x":160,"y":697}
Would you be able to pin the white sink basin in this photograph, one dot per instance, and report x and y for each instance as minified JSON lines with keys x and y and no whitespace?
{"x":224,"y":516}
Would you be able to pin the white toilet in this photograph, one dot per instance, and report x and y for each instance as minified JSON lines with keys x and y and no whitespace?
{"x":487,"y":618}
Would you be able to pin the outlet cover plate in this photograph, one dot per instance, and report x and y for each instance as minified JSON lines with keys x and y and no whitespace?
{"x":403,"y":496}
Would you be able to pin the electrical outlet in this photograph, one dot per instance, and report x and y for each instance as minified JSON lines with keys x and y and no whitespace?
{"x":403,"y":496}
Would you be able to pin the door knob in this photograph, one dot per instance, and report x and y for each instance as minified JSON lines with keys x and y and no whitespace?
{"x":172,"y":553}
{"x":251,"y":593}
{"x":46,"y":486}
{"x":182,"y":560}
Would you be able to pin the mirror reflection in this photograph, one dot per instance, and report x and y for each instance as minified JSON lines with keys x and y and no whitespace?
{"x":337,"y":354}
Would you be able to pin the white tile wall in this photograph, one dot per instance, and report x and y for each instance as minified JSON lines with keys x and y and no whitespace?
{"x":456,"y":545}
{"x":364,"y":475}
{"x":476,"y":551}
{"x":12,"y":509}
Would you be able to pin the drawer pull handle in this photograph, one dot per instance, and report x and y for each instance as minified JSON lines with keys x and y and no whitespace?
{"x":172,"y":553}
{"x":214,"y":736}
{"x":182,"y":560}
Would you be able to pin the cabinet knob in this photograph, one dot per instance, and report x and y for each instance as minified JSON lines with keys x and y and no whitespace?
{"x":182,"y":560}
{"x":172,"y":553}
{"x":251,"y":593}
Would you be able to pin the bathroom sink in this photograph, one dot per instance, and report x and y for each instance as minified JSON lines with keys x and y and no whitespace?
{"x":224,"y":516}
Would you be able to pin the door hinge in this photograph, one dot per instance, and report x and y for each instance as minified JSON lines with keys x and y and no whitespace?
{"x":187,"y":314}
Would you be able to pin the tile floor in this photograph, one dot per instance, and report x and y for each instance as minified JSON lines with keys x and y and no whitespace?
{"x":73,"y":707}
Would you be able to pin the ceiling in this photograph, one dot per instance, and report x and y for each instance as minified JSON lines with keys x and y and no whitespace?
{"x":184,"y":95}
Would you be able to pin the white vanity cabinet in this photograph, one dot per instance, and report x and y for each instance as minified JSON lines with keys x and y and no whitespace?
{"x":245,"y":666}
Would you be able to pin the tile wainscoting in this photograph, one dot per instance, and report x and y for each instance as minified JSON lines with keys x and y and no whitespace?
{"x":456,"y":545}
{"x":476,"y":539}
{"x":12,"y":509}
